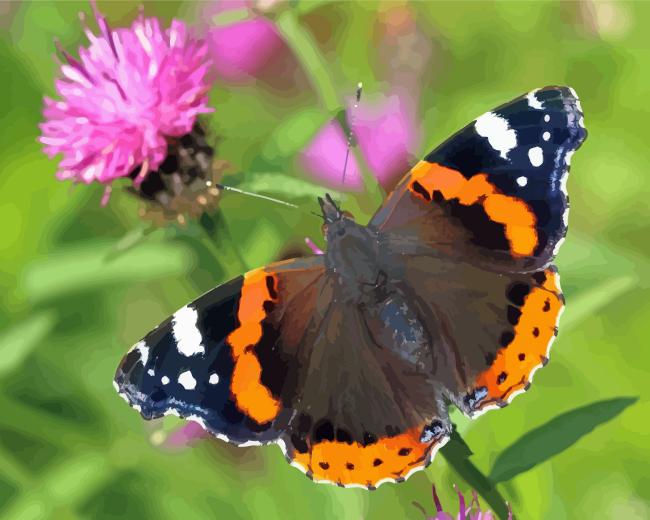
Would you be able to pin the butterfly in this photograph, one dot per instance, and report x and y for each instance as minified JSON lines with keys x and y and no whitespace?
{"x":350,"y":361}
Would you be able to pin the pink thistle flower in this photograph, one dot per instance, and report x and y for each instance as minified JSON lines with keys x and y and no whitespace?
{"x":187,"y":434}
{"x":324,"y":158}
{"x":242,"y":49}
{"x":473,"y":512}
{"x":130,"y":91}
{"x":386,"y":134}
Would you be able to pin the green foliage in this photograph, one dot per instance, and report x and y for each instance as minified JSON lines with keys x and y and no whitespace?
{"x":81,"y":283}
{"x":558,"y":434}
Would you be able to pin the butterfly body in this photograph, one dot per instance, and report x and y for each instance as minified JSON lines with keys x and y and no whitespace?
{"x":349,"y":361}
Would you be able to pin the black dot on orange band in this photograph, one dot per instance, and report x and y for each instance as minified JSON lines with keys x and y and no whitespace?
{"x":513,"y":314}
{"x":349,"y":465}
{"x":324,"y":465}
{"x":547,"y":305}
{"x":323,"y":431}
{"x":502,"y":377}
{"x":540,"y":277}
{"x":343,"y":436}
{"x":404,"y":452}
{"x":522,"y":357}
{"x":535,"y":331}
{"x":270,"y":285}
{"x":517,"y":292}
{"x":299,"y":444}
{"x":418,"y":188}
{"x":377,"y":462}
{"x":506,"y":338}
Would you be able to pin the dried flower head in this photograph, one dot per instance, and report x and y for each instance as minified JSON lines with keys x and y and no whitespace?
{"x":473,"y":512}
{"x":131,"y":91}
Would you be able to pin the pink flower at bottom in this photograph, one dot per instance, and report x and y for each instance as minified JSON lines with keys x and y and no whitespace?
{"x":473,"y":512}
{"x":129,"y":92}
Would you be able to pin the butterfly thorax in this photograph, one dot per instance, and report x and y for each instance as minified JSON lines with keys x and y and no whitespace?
{"x":352,"y":252}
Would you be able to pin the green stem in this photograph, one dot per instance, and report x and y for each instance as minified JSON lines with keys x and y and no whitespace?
{"x":315,"y":66}
{"x":305,"y":49}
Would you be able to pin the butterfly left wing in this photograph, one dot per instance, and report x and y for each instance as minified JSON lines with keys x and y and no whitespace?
{"x":223,"y":360}
{"x":494,"y":194}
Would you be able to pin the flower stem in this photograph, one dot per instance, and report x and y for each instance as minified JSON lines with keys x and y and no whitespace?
{"x":304,"y":47}
{"x":315,"y":66}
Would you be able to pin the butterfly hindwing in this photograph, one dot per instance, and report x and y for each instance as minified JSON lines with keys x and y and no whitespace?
{"x":495,"y":192}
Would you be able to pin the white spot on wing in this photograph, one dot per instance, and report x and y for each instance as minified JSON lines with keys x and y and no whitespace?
{"x":187,"y":335}
{"x":575,"y":95}
{"x":214,"y":379}
{"x":498,"y":133}
{"x":522,"y":181}
{"x":547,"y":118}
{"x":533,"y":102}
{"x":567,"y":159}
{"x":143,"y":349}
{"x":536,"y":156}
{"x":164,"y":380}
{"x":151,"y":372}
{"x":546,"y":136}
{"x":187,"y":381}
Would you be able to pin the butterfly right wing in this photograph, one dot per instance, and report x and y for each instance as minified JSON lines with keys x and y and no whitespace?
{"x":493,"y":194}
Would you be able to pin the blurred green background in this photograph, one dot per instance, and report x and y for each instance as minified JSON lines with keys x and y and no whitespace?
{"x":79,"y":284}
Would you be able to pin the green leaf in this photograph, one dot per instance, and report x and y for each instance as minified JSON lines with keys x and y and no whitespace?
{"x":293,"y":134}
{"x":21,"y":339}
{"x":540,"y":444}
{"x":85,"y":268}
{"x":457,"y":453}
{"x":131,"y":239}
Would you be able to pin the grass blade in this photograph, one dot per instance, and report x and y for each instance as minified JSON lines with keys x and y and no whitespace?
{"x":558,"y":434}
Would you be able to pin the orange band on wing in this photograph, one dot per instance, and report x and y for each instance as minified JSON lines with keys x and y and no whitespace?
{"x":535,"y":330}
{"x":353,"y":463}
{"x":250,"y":395}
{"x":516,"y":216}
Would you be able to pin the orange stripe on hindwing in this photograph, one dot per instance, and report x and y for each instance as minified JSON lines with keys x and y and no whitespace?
{"x":533,"y":333}
{"x":354,"y":463}
{"x":516,"y":216}
{"x":249,"y":393}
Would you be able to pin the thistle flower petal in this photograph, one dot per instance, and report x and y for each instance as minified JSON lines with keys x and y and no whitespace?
{"x":130,"y":91}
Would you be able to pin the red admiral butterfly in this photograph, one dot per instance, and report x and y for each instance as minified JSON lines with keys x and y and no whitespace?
{"x":349,"y":361}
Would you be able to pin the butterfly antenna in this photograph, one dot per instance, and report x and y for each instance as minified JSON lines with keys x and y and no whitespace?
{"x":350,"y":134}
{"x":251,"y":194}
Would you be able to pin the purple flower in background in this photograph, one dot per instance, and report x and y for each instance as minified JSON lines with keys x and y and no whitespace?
{"x":473,"y":512}
{"x":242,"y":49}
{"x":324,"y":158}
{"x":386,"y":135}
{"x":189,"y":433}
{"x":131,"y":90}
{"x":249,"y":47}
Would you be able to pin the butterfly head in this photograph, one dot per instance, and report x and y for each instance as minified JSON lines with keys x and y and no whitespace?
{"x":331,"y":212}
{"x":335,"y":222}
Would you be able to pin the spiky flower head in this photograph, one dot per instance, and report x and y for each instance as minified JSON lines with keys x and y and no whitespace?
{"x":130,"y":91}
{"x":473,"y":512}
